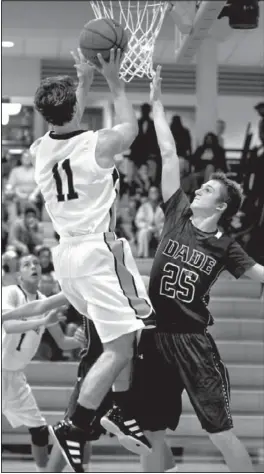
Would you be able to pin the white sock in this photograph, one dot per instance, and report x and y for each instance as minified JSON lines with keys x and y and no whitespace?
{"x":173,"y":469}
{"x":41,"y":469}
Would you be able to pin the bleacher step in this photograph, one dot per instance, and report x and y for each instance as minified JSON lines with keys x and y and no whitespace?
{"x":64,"y":374}
{"x":242,"y":401}
{"x":248,"y":352}
{"x":238,"y":329}
{"x":240,"y":308}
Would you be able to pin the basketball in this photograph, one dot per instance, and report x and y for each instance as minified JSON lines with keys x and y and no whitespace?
{"x":100,"y":36}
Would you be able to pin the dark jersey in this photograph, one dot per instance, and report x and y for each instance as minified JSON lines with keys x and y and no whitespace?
{"x":187,"y":263}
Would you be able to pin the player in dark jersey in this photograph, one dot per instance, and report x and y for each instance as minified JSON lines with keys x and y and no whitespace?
{"x":183,"y":355}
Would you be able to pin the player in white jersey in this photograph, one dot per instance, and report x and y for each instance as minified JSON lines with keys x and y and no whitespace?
{"x":20,"y":342}
{"x":75,"y":171}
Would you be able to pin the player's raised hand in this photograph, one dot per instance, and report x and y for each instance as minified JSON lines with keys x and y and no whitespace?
{"x":52,"y":318}
{"x":110,"y":69}
{"x":155,"y":86}
{"x":84,"y":69}
{"x":79,"y":336}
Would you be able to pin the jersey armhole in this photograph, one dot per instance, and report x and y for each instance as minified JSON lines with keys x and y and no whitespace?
{"x":104,"y":171}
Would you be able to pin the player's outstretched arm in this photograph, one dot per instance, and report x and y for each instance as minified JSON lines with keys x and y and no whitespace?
{"x":256,"y":273}
{"x":35,"y":308}
{"x":65,"y":343}
{"x":17,"y":326}
{"x":170,"y":163}
{"x":113,"y":141}
{"x":85,"y":74}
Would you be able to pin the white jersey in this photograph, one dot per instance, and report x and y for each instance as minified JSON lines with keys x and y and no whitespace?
{"x":79,"y":195}
{"x":18,"y":349}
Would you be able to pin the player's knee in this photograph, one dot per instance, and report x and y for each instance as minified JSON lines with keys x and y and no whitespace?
{"x":40,"y":435}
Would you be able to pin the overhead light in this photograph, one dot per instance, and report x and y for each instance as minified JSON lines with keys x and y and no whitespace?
{"x":7,"y":44}
{"x":15,"y":151}
{"x":5,"y":117}
{"x":11,"y":109}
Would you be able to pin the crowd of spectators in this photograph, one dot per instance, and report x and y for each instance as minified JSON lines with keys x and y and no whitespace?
{"x":139,"y":215}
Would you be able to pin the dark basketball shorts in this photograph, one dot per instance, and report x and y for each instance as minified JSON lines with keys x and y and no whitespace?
{"x":167,"y":364}
{"x":107,"y":403}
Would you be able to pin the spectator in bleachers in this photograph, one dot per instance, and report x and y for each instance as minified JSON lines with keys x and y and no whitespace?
{"x":153,"y":171}
{"x":146,"y":143}
{"x":220,"y":130}
{"x":188,"y":179}
{"x":9,"y":268}
{"x":5,"y":226}
{"x":5,"y":164}
{"x":149,"y":223}
{"x":45,"y":259}
{"x":208,"y":158}
{"x":143,"y":181}
{"x":126,"y":221}
{"x":20,"y":185}
{"x":126,"y":171}
{"x":182,"y":137}
{"x":26,"y":232}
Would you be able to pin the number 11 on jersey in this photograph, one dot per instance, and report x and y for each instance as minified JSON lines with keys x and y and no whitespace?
{"x":72,"y":194}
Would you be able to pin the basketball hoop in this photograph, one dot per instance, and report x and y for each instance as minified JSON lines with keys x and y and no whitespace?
{"x":143,"y":21}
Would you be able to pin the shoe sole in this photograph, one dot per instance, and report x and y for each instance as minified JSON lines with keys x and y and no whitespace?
{"x":57,"y":443}
{"x":130,"y":443}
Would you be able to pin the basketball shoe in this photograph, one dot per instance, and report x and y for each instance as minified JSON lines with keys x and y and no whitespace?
{"x":127,"y":430}
{"x":71,"y":441}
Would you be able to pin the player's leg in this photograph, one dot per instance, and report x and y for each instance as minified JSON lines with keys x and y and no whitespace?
{"x":169,"y":463}
{"x":233,"y":451}
{"x":57,"y":461}
{"x":155,"y":461}
{"x":157,"y":390}
{"x":23,"y":410}
{"x":121,"y":419}
{"x":39,"y":446}
{"x":38,"y":430}
{"x":115,"y":302}
{"x":206,"y":381}
{"x":20,"y":408}
{"x":161,"y":459}
{"x":93,"y":350}
{"x":116,"y":356}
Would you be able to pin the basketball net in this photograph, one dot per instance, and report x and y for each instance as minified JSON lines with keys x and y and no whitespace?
{"x":143,"y":21}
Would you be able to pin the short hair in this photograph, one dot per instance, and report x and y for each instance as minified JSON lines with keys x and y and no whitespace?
{"x":42,"y":248}
{"x":231,"y":194}
{"x":55,"y":99}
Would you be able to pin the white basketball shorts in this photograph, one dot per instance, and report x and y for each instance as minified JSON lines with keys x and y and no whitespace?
{"x":99,"y":276}
{"x":18,"y":402}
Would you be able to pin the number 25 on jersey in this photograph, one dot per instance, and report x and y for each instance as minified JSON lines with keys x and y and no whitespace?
{"x":178,"y":283}
{"x":72,"y":194}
